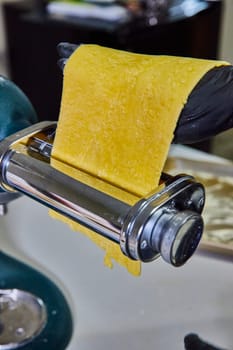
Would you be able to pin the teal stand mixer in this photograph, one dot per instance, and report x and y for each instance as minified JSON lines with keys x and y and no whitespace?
{"x":34,"y":313}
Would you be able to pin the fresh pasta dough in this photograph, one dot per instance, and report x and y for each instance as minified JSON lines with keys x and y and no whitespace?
{"x":118,"y":114}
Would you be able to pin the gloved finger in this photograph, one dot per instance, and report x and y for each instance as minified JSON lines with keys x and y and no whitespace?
{"x":209,"y":108}
{"x":65,"y":49}
{"x":193,"y":342}
{"x":61,"y":63}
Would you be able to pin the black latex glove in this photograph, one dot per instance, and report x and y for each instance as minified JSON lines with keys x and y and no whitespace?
{"x":193,"y":342}
{"x":209,"y":109}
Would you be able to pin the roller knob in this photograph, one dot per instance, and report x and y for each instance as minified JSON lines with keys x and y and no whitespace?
{"x":176,"y":235}
{"x":169,"y":223}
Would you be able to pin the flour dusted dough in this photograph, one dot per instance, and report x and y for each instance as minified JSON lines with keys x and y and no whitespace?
{"x":118,"y":114}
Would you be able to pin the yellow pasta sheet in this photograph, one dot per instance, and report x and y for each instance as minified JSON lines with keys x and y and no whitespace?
{"x":118,"y":114}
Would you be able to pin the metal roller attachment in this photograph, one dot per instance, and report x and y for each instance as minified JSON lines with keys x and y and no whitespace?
{"x":166,"y":223}
{"x":22,"y":318}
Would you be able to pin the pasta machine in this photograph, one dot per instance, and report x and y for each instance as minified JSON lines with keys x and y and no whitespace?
{"x":167,"y":222}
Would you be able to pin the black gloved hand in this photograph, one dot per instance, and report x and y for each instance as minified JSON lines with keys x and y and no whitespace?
{"x":209,"y":109}
{"x":193,"y":342}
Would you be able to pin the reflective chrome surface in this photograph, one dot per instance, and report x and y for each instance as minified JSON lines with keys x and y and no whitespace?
{"x":22,"y":317}
{"x":111,"y":308}
{"x":168,"y":222}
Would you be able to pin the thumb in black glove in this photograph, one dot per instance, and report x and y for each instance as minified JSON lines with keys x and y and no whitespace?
{"x":193,"y":342}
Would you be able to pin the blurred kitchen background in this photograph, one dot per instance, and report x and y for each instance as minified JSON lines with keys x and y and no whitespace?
{"x":31,"y":29}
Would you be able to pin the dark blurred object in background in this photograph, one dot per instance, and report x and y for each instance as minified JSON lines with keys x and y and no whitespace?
{"x":186,"y":28}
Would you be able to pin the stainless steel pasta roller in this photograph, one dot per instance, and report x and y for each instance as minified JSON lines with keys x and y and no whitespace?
{"x":167,"y":222}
